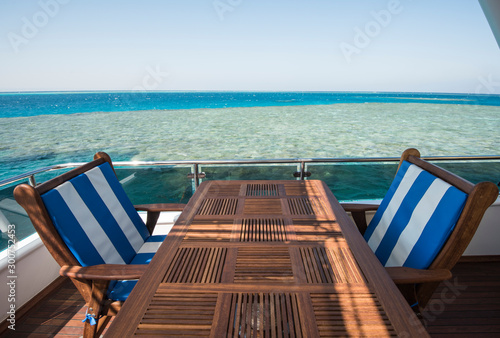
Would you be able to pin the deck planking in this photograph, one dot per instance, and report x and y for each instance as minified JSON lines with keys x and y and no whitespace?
{"x":467,"y":306}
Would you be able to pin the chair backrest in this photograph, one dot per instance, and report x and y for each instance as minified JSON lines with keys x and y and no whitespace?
{"x":95,"y":218}
{"x":414,"y":219}
{"x":428,"y":218}
{"x":84,"y":216}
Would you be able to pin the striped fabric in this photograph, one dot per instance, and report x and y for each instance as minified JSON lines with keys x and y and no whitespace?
{"x":148,"y":249}
{"x":414,"y":219}
{"x":119,"y":290}
{"x":99,"y":224}
{"x":96,"y":219}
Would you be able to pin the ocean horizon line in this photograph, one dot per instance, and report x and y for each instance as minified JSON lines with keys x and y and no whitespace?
{"x":242,"y":91}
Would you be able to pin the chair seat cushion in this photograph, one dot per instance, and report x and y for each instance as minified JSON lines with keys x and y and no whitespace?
{"x":119,"y":290}
{"x":414,"y":219}
{"x":148,"y":249}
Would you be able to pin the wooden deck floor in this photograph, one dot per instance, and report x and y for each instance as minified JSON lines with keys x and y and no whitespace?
{"x":466,"y":306}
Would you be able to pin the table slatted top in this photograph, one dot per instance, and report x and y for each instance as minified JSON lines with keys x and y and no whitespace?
{"x":265,"y":259}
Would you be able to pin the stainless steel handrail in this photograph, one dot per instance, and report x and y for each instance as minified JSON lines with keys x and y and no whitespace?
{"x":290,"y":160}
{"x":196,"y":163}
{"x":30,"y":175}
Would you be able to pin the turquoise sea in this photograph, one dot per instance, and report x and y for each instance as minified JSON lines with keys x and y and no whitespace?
{"x":42,"y":129}
{"x":45,"y":128}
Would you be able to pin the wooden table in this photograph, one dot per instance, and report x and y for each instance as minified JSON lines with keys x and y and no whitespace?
{"x":265,"y":259}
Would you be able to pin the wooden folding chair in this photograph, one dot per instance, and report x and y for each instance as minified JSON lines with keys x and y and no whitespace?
{"x":95,"y":234}
{"x":423,"y":225}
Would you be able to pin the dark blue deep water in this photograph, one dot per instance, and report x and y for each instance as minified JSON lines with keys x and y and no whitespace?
{"x":48,"y":103}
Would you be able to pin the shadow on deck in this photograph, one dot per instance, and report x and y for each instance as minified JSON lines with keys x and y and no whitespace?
{"x":466,"y":306}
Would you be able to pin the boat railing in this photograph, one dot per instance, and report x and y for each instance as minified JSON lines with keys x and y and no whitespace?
{"x":351,"y":179}
{"x":196,"y":175}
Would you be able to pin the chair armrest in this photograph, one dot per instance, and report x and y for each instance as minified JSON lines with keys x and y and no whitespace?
{"x":359,"y":207}
{"x":154,"y":212}
{"x":404,"y":275}
{"x":104,"y":271}
{"x":159,"y":207}
{"x":358,"y":211}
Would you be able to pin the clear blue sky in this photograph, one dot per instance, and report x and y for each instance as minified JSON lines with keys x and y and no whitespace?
{"x":325,"y":45}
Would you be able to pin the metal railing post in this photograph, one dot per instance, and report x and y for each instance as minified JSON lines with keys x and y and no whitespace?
{"x":196,"y":178}
{"x":302,"y":170}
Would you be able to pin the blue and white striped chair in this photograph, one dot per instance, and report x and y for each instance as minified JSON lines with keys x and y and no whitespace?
{"x":94,"y":232}
{"x":424,"y":224}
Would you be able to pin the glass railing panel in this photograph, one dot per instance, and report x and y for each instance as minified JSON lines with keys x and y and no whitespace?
{"x":355,"y":181}
{"x":359,"y":181}
{"x":156,"y":184}
{"x":474,"y":171}
{"x":143,"y":185}
{"x":171,"y":183}
{"x":12,"y":217}
{"x":48,"y":175}
{"x":249,"y":172}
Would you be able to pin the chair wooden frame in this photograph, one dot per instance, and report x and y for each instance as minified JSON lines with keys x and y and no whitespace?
{"x":91,"y":281}
{"x":418,"y":285}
